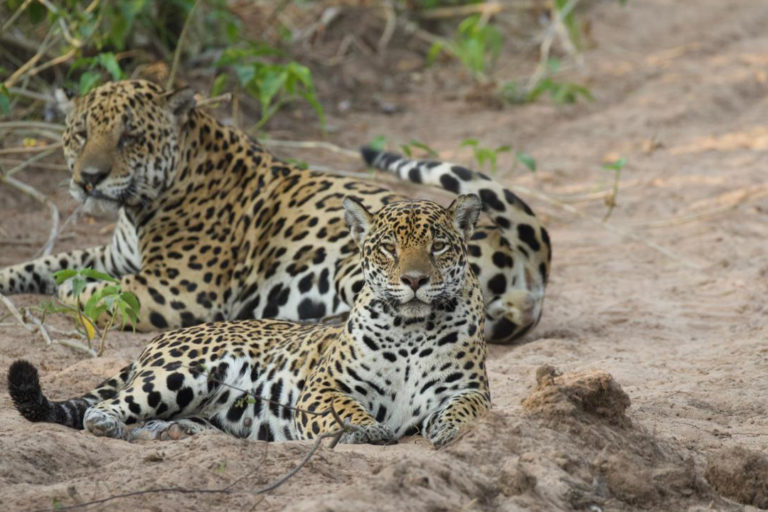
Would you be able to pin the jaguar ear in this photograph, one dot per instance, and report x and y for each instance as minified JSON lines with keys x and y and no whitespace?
{"x":465,"y":211}
{"x":358,"y":219}
{"x":179,"y":103}
{"x":65,"y":100}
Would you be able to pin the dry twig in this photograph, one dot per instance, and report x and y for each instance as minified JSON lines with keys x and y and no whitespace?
{"x":32,"y":192}
{"x":179,"y":46}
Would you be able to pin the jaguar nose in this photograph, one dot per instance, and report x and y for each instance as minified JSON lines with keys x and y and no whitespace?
{"x":415,"y":280}
{"x":92,"y":178}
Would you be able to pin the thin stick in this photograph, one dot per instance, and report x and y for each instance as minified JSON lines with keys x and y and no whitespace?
{"x":15,"y":312}
{"x":31,"y":149}
{"x":609,"y":227}
{"x":313,"y":145}
{"x":40,"y":197}
{"x":30,"y":161}
{"x":336,"y":434}
{"x":15,"y":15}
{"x":31,"y":125}
{"x":32,"y":61}
{"x":179,"y":46}
{"x":225,"y":98}
{"x":460,"y":11}
{"x":389,"y":27}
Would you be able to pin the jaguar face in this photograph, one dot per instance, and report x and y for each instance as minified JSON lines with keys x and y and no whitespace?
{"x":121,"y":143}
{"x":414,"y":252}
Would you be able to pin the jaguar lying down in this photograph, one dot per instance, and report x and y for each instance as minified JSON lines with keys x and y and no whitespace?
{"x":410,"y":358}
{"x":212,"y":227}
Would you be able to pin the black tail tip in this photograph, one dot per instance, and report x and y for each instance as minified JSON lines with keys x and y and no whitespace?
{"x":24,"y":388}
{"x":369,"y":154}
{"x":22,"y":374}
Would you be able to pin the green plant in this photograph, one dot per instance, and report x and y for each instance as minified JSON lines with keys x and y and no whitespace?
{"x":273,"y":84}
{"x":120,"y":307}
{"x":527,"y":160}
{"x":407,"y":148}
{"x":485,"y":155}
{"x":476,"y":44}
{"x":610,"y":200}
{"x":379,"y":142}
{"x":560,"y":92}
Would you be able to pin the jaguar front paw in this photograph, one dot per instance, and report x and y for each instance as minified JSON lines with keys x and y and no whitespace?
{"x":441,"y":433}
{"x":369,"y":434}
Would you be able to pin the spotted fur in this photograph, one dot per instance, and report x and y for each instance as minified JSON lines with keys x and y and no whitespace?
{"x":410,"y":358}
{"x":212,"y":227}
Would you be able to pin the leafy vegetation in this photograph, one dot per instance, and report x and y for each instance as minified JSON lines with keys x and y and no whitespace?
{"x":476,"y":44}
{"x":108,"y":40}
{"x":121,"y":308}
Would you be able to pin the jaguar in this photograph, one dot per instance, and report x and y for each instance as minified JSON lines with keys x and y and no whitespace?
{"x":210,"y":226}
{"x":409,"y":359}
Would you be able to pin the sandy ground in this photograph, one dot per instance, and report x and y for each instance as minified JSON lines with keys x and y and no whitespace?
{"x":682,"y":92}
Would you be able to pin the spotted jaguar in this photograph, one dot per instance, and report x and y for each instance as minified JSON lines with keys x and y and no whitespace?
{"x":410,"y":358}
{"x":212,"y":227}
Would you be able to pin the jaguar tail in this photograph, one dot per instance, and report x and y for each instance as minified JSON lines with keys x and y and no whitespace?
{"x":29,"y":400}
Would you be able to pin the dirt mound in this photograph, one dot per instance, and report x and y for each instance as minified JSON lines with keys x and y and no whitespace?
{"x":740,"y":474}
{"x":593,"y":393}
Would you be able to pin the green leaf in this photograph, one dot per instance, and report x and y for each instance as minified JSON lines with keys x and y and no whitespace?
{"x":378,"y":143}
{"x":36,"y":12}
{"x":78,"y":285}
{"x":245,"y":73}
{"x":62,"y":275}
{"x":219,"y":84}
{"x":88,"y":81}
{"x":109,"y":62}
{"x":433,"y":52}
{"x":527,"y":160}
{"x":616,"y":165}
{"x":424,"y":147}
{"x":469,"y":142}
{"x":5,"y":100}
{"x":99,"y":276}
{"x":130,"y":299}
{"x":406,"y":149}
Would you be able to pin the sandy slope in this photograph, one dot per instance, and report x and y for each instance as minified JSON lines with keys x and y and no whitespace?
{"x":681,"y":92}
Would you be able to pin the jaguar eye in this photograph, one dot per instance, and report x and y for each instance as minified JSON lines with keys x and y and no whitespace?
{"x":388,"y":249}
{"x":439,"y":247}
{"x":128,"y":138}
